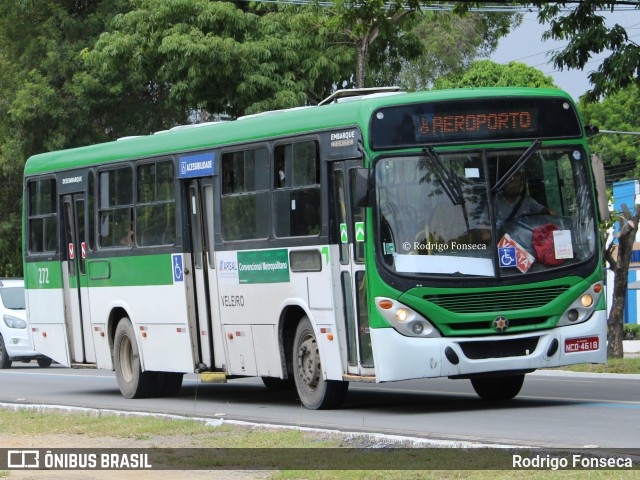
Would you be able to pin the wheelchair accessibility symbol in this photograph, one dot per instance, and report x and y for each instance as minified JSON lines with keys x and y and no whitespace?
{"x":178,"y":272}
{"x":507,"y":256}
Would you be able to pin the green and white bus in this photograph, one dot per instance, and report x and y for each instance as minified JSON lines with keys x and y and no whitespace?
{"x":360,"y":240}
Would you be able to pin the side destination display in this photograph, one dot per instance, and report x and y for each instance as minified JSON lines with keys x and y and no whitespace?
{"x":264,"y":266}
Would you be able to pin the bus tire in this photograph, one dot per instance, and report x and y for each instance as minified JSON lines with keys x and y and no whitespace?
{"x":44,"y":362}
{"x":133,"y":382}
{"x":315,"y":392}
{"x":498,"y":388}
{"x":274,"y":384}
{"x":5,"y":361}
{"x":169,"y":384}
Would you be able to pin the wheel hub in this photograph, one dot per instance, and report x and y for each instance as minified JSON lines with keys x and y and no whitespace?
{"x":309,"y":362}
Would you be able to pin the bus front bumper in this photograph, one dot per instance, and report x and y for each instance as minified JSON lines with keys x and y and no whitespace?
{"x":402,"y":358}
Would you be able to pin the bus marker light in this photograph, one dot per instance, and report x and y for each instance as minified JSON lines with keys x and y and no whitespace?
{"x":44,"y":334}
{"x":586,"y":300}
{"x":330,"y":337}
{"x":230,"y":336}
{"x":323,"y":330}
{"x":386,"y":304}
{"x":597,"y":287}
{"x":144,"y":334}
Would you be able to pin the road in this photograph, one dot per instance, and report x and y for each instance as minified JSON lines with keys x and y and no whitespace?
{"x":554,"y":409}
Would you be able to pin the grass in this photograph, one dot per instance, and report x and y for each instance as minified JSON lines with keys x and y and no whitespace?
{"x":614,"y":365}
{"x":48,"y":430}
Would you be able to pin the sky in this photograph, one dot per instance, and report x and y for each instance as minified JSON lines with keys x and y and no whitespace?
{"x":525,"y":45}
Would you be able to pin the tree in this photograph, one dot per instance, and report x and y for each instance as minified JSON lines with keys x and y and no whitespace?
{"x":217,"y":57}
{"x":42,"y":106}
{"x":485,"y":73}
{"x":449,"y":43}
{"x":366,"y":21}
{"x":617,"y":112}
{"x":587,"y":34}
{"x":628,"y":222}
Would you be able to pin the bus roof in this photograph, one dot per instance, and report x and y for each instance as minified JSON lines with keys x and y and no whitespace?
{"x":272,"y":124}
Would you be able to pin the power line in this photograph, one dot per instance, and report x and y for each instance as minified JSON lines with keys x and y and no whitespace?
{"x":619,"y":132}
{"x":447,"y":7}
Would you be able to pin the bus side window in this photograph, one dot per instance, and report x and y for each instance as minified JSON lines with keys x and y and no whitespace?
{"x":42,"y":216}
{"x":297,"y":205}
{"x":115,"y":206}
{"x":155,"y":207}
{"x":245,"y":195}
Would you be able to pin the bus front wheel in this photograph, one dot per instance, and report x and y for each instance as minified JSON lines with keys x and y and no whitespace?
{"x":315,"y":392}
{"x":5,"y":361}
{"x":133,"y":382}
{"x":498,"y":388}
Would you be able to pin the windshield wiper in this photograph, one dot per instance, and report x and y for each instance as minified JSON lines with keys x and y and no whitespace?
{"x":445,"y":177}
{"x":528,"y":153}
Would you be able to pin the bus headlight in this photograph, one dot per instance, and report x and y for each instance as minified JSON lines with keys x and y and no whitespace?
{"x":405,"y":320}
{"x":13,"y":322}
{"x":582,"y":308}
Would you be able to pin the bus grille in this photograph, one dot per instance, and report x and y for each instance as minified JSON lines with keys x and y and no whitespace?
{"x":497,"y":301}
{"x":499,"y":349}
{"x":513,"y":322}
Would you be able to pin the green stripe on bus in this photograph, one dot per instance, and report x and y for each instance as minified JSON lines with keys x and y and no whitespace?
{"x":144,"y":270}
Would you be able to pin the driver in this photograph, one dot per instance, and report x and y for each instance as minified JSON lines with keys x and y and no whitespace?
{"x":512,"y":201}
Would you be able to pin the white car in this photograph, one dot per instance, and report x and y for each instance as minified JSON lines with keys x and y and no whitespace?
{"x":15,"y":337}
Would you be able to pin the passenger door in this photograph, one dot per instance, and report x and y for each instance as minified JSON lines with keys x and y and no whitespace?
{"x":74,"y":280}
{"x":350,"y":230}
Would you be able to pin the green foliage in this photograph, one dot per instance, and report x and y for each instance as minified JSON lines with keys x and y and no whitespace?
{"x":42,"y":106}
{"x":448,"y":43}
{"x":587,"y":34}
{"x":486,"y":73}
{"x":619,"y":112}
{"x":216,"y":57}
{"x":631,"y":331}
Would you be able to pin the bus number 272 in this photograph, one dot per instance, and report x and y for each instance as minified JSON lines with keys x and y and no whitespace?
{"x":43,"y":275}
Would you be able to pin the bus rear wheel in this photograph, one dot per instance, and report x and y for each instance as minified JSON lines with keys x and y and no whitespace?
{"x":44,"y":362}
{"x":498,"y":388}
{"x":133,"y":382}
{"x":315,"y":392}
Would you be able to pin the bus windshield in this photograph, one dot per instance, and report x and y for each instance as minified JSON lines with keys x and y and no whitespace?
{"x":490,"y":213}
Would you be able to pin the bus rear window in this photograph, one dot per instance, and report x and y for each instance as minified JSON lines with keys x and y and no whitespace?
{"x":42,"y":216}
{"x":472,"y":121}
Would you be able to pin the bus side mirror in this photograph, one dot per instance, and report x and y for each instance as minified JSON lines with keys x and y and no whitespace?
{"x":597,"y":167}
{"x":363,"y":189}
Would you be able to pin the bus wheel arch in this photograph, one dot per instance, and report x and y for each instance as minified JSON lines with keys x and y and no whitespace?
{"x":315,"y":392}
{"x":132,"y":381}
{"x":115,"y":316}
{"x":289,"y":319}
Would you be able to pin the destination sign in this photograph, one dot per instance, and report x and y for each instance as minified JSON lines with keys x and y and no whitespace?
{"x":474,"y":120}
{"x":443,"y":124}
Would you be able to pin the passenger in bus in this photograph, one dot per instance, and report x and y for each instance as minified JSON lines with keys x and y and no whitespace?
{"x":127,"y":239}
{"x":281,"y":175}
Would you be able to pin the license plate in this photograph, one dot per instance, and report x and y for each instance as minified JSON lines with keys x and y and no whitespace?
{"x":588,"y":344}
